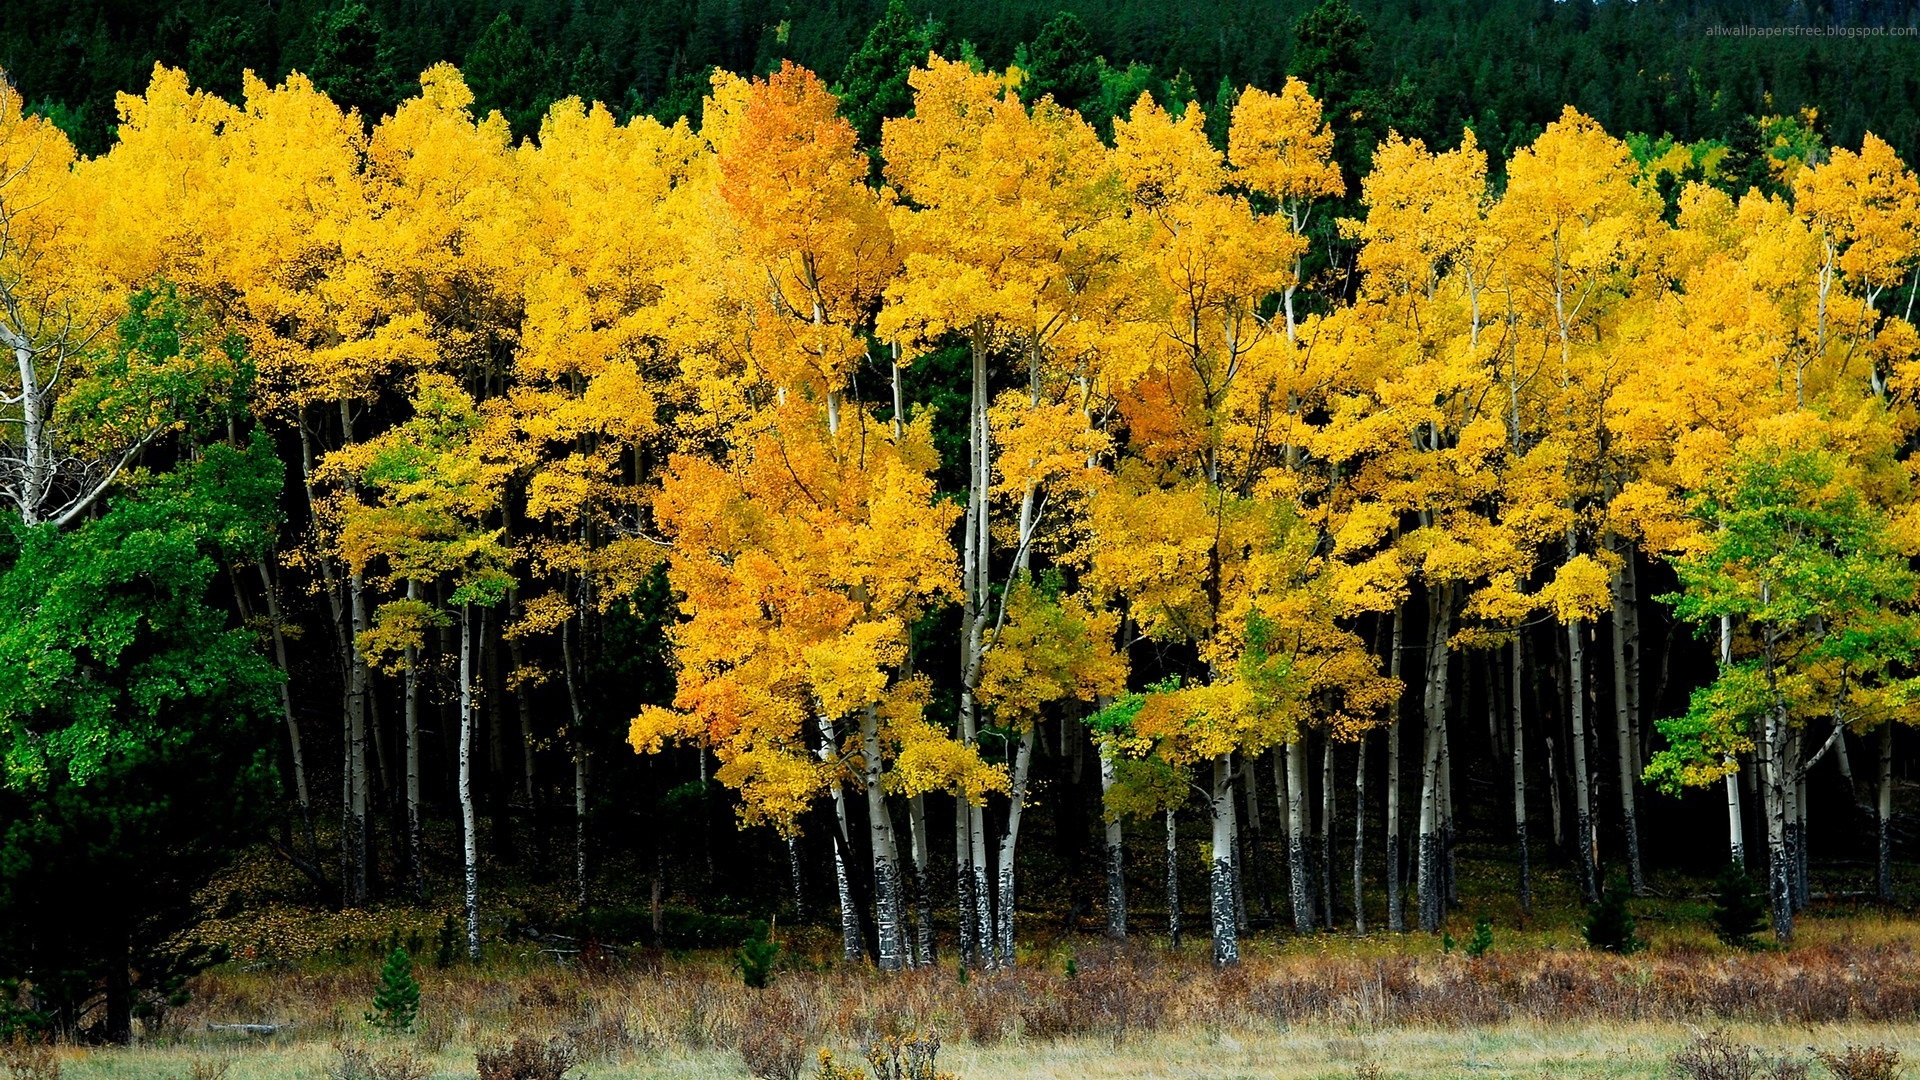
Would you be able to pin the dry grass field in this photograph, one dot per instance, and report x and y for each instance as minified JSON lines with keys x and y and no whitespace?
{"x":1383,"y":1006}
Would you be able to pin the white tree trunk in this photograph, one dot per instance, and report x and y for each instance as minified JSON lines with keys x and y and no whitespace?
{"x":1299,"y":865}
{"x":852,"y":947}
{"x":1016,"y":802}
{"x":923,"y":895}
{"x":1116,"y":856}
{"x":1360,"y":837}
{"x":1226,"y":934}
{"x":1520,"y":783}
{"x":886,"y":871}
{"x":1625,"y":645}
{"x":469,"y":846}
{"x":1582,"y":790}
{"x":1396,"y":914}
{"x":1173,"y":879}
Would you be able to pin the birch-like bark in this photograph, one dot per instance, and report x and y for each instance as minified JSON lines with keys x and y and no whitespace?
{"x":1116,"y":856}
{"x":1432,"y":852}
{"x":1360,"y":836}
{"x":1173,"y":879}
{"x":963,"y":880}
{"x":886,"y":870}
{"x":577,"y":735}
{"x":469,"y":846}
{"x":1625,"y":646}
{"x":852,"y":946}
{"x":1775,"y":792}
{"x":1396,"y":914}
{"x":1736,"y":826}
{"x":1226,"y":933}
{"x":1299,"y":867}
{"x":1325,"y":835}
{"x":922,"y":888}
{"x":1016,"y":802}
{"x":1520,"y":782}
{"x":1582,"y":790}
{"x":799,"y":887}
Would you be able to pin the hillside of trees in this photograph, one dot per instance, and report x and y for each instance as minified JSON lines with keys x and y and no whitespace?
{"x":1505,"y":67}
{"x":963,"y":494}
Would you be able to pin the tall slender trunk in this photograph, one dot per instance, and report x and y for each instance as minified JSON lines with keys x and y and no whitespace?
{"x":353,"y":841}
{"x":1251,"y":858}
{"x":1325,"y":836}
{"x":963,"y":879}
{"x":852,"y":944}
{"x":416,"y":855}
{"x":1582,"y":791}
{"x":1884,"y":818}
{"x":1626,"y":647}
{"x":577,"y":736}
{"x":1520,"y":783}
{"x":1016,"y":802}
{"x":1736,"y":827}
{"x":523,"y":703}
{"x":1449,"y":870}
{"x":1432,"y":851}
{"x":1396,"y":914}
{"x":1173,"y":879}
{"x":886,"y":871}
{"x":469,"y":846}
{"x":922,"y":888}
{"x":302,"y":797}
{"x":1116,"y":856}
{"x":799,"y":886}
{"x":1775,"y":793}
{"x":1300,"y":872}
{"x":976,"y":580}
{"x":1226,"y":932}
{"x":1360,"y":836}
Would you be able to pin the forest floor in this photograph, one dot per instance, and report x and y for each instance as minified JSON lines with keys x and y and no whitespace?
{"x":1333,"y":1005}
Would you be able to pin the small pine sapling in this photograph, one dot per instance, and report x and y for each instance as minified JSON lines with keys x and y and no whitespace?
{"x":1739,"y":907}
{"x":1482,"y":940}
{"x":1610,"y":926}
{"x":396,"y":1001}
{"x":756,"y":955}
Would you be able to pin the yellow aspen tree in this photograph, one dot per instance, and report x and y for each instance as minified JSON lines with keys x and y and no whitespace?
{"x":802,"y":558}
{"x":1010,"y":229}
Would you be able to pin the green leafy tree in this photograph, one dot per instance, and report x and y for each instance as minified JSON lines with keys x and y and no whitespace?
{"x":137,"y":724}
{"x":1805,"y":574}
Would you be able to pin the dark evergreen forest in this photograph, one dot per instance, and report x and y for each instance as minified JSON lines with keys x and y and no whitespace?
{"x":1503,"y":67}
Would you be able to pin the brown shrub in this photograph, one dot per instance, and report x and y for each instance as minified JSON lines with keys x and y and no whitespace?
{"x":776,"y":1037}
{"x":1862,"y":1063}
{"x":29,"y":1059}
{"x":525,"y":1059}
{"x":353,"y":1061}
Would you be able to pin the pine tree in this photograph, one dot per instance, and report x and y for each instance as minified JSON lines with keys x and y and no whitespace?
{"x":396,"y":1001}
